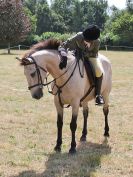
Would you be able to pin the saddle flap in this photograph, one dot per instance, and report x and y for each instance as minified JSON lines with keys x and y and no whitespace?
{"x":90,"y":71}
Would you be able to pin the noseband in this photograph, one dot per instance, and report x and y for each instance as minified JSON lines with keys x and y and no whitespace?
{"x":40,"y":81}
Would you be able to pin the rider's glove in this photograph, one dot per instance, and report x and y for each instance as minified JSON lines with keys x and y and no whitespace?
{"x":63,"y":55}
{"x":63,"y":62}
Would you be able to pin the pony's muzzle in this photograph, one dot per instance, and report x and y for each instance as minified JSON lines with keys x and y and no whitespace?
{"x":38,"y":94}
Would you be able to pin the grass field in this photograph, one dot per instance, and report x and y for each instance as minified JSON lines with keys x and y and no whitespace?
{"x":28,"y":128}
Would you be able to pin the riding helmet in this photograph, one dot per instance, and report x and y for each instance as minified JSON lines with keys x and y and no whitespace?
{"x":91,"y":33}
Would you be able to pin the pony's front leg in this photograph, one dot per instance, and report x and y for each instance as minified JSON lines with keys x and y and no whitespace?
{"x":59,"y":133}
{"x":73,"y":127}
{"x":85,"y":115}
{"x":59,"y":127}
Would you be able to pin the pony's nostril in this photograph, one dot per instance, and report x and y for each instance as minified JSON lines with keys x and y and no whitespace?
{"x":38,"y":94}
{"x":35,"y":96}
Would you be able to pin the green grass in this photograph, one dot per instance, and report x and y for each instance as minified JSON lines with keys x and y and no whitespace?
{"x":28,"y":128}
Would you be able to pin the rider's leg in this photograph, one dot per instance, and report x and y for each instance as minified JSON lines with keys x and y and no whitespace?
{"x":98,"y":82}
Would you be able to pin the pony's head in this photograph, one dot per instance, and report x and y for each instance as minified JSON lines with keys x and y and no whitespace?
{"x":34,"y":71}
{"x":35,"y":76}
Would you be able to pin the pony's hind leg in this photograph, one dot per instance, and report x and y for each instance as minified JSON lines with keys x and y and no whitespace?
{"x":85,"y":115}
{"x":106,"y":129}
{"x":106,"y":112}
{"x":59,"y":127}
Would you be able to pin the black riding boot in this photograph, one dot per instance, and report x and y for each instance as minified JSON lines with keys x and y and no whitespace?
{"x":99,"y":99}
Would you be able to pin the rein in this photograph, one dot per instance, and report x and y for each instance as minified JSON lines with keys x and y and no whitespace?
{"x":59,"y":91}
{"x":40,"y":81}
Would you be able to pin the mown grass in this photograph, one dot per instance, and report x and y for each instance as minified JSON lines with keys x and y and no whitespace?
{"x":28,"y":128}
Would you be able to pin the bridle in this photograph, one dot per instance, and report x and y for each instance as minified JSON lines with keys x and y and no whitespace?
{"x":39,"y":77}
{"x":59,"y":88}
{"x":40,"y":80}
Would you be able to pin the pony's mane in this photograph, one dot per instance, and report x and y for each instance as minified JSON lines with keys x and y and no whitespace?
{"x":46,"y":44}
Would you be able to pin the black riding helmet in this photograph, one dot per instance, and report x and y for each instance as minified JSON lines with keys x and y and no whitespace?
{"x":91,"y":33}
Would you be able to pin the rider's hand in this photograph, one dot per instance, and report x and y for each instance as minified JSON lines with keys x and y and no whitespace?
{"x":63,"y":62}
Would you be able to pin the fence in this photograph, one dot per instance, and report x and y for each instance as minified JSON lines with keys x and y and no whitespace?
{"x":18,"y":47}
{"x":103,"y":47}
{"x":109,"y":47}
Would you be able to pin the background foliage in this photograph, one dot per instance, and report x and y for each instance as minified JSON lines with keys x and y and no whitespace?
{"x":61,"y":18}
{"x":14,"y":24}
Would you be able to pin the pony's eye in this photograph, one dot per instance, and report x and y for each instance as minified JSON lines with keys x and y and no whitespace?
{"x":33,"y":74}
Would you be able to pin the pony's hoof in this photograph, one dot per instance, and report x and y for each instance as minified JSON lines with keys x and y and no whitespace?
{"x":57,"y":149}
{"x":83,"y":139}
{"x":72,"y":151}
{"x":106,"y":134}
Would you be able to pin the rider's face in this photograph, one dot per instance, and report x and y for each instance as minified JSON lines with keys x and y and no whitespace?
{"x":87,"y":43}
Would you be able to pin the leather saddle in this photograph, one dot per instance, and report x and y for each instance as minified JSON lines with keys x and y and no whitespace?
{"x":88,"y":66}
{"x":90,"y":72}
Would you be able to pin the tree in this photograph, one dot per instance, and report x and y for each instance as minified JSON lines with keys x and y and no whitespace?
{"x":130,"y":5}
{"x":31,"y":5}
{"x":14,"y":24}
{"x":57,"y":23}
{"x":123,"y":28}
{"x":119,"y":28}
{"x":77,"y":17}
{"x":64,"y":8}
{"x":115,"y":13}
{"x":66,"y":16}
{"x":43,"y":15}
{"x":94,"y":12}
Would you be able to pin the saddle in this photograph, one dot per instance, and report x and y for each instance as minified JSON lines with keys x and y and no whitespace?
{"x":88,"y":66}
{"x":90,"y":72}
{"x":91,"y":77}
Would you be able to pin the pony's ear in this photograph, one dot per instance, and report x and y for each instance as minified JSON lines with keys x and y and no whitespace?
{"x":29,"y":60}
{"x":25,"y":61}
{"x":19,"y":59}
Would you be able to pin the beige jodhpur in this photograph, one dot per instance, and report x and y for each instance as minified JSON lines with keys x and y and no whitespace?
{"x":97,"y":66}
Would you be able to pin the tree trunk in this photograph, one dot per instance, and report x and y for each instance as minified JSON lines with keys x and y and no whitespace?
{"x":8,"y":48}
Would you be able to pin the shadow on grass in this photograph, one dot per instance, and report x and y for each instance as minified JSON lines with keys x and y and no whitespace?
{"x":83,"y":164}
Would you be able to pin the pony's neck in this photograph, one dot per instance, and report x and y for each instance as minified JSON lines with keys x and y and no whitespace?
{"x":52,"y":61}
{"x":49,"y":59}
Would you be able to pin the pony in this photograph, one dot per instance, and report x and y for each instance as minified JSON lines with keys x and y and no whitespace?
{"x":68,"y":85}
